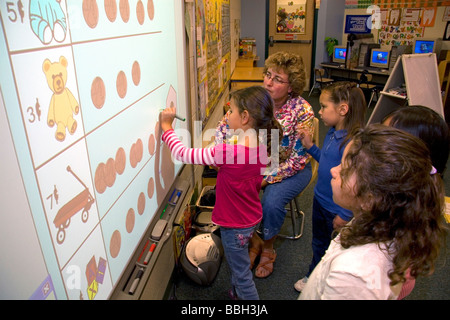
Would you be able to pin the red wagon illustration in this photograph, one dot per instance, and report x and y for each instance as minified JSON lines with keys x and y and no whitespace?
{"x":83,"y":201}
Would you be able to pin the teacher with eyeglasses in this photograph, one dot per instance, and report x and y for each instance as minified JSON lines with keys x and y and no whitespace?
{"x":284,"y":79}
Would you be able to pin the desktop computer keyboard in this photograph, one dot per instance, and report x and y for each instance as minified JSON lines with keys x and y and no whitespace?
{"x":368,"y":68}
{"x":337,"y":64}
{"x":375,"y":69}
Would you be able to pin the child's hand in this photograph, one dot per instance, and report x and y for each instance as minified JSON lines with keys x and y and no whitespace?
{"x":264,"y":184}
{"x":338,"y":223}
{"x":306,"y":138}
{"x":166,"y":118}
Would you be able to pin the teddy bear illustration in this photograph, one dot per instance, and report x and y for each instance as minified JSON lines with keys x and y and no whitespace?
{"x":63,"y":104}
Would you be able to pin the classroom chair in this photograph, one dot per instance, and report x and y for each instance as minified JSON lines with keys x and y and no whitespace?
{"x":294,"y":207}
{"x":320,"y":80}
{"x":363,"y":82}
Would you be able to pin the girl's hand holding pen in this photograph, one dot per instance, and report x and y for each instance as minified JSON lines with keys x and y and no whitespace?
{"x":166,"y":117}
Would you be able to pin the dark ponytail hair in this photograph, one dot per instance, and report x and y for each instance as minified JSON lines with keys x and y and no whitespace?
{"x":429,"y":126}
{"x":348,"y":92}
{"x":259,"y":104}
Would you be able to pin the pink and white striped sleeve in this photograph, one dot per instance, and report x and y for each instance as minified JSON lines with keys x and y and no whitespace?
{"x":204,"y":156}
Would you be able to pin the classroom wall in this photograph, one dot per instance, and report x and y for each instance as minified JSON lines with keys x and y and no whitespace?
{"x":236,"y":29}
{"x":253,"y":25}
{"x":330,"y":15}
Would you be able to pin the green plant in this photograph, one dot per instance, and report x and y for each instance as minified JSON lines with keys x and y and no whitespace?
{"x":330,"y":43}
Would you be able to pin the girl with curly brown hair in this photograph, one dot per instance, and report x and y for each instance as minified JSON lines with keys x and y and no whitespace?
{"x":387,"y":179}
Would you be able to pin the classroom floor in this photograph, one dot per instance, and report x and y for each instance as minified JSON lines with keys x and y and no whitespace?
{"x":294,"y":256}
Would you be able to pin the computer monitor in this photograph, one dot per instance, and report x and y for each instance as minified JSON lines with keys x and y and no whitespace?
{"x":339,"y":53}
{"x":379,"y":58}
{"x":426,"y":46}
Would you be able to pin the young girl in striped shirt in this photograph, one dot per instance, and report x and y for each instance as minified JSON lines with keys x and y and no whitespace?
{"x":241,"y":168}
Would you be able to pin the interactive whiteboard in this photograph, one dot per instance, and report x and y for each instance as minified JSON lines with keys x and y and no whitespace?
{"x":82,"y":83}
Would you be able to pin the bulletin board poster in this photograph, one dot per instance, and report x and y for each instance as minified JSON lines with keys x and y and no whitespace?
{"x":82,"y":83}
{"x":404,"y":4}
{"x":401,"y":26}
{"x":213,"y":48}
{"x":291,"y":16}
{"x":403,"y":34}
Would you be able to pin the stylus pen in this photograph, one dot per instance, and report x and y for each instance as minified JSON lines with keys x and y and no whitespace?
{"x":149,"y":253}
{"x":136,"y":281}
{"x":176,"y":116}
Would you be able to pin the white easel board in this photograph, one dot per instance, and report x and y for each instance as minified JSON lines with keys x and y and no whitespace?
{"x":419,"y":73}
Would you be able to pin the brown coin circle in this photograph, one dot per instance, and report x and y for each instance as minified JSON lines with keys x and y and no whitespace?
{"x":139,"y":149}
{"x":111,"y":10}
{"x":129,"y":221}
{"x":133,"y":159}
{"x":98,"y":92}
{"x":150,"y":9}
{"x":140,"y":12}
{"x":110,"y":172}
{"x":90,"y":12}
{"x":124,"y":8}
{"x":150,"y":188}
{"x":121,"y":84}
{"x":141,"y":203}
{"x":115,"y":243}
{"x":99,"y":179}
{"x":136,"y":73}
{"x":120,"y":160}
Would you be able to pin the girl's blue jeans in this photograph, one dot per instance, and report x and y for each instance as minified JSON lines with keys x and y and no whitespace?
{"x":322,"y":230}
{"x":235,"y":247}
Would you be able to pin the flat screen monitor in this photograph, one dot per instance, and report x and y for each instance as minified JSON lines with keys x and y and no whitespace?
{"x":339,"y":53}
{"x":425,"y":46}
{"x":379,"y":58}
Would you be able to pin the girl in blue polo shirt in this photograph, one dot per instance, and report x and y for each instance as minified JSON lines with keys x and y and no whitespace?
{"x":343,"y":108}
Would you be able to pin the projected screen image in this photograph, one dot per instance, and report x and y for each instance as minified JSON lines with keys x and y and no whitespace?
{"x":423,"y":46}
{"x":82,"y":84}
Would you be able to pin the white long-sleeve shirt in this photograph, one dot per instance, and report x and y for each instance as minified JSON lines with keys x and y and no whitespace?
{"x":356,"y":273}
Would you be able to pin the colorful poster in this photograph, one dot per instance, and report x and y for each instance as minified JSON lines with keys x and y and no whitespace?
{"x":361,"y":4}
{"x":403,"y":34}
{"x":213,"y":52}
{"x":291,"y":16}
